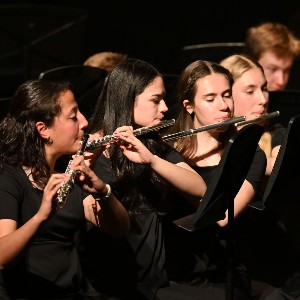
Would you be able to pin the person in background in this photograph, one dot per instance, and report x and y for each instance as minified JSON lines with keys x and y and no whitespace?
{"x":105,"y":60}
{"x":38,"y":254}
{"x":275,"y":47}
{"x":251,"y":98}
{"x":270,"y":255}
{"x":200,"y":259}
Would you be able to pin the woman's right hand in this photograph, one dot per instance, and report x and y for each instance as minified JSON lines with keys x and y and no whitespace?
{"x":49,"y":200}
{"x":91,"y":156}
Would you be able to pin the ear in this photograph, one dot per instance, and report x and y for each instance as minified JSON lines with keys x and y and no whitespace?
{"x":42,"y":130}
{"x":188,"y":106}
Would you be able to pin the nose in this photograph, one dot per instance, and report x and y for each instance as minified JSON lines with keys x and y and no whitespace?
{"x":83,"y":122}
{"x":263,"y":98}
{"x":281,"y":78}
{"x":163,"y":106}
{"x":223,"y":104}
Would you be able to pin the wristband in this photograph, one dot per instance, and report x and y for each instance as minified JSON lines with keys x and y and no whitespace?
{"x":105,"y":197}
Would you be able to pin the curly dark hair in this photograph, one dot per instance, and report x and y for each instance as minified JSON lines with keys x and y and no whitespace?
{"x":20,"y":143}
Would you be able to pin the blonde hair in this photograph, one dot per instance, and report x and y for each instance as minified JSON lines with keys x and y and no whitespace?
{"x":238,"y":65}
{"x":105,"y":60}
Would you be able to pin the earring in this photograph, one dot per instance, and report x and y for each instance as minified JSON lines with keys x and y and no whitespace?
{"x":49,"y":141}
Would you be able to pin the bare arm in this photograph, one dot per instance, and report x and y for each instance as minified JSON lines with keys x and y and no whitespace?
{"x":271,"y":160}
{"x":245,"y":195}
{"x":108,"y":214}
{"x":181,"y":176}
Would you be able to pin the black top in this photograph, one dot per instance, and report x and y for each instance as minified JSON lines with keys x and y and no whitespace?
{"x":50,"y":266}
{"x":131,"y":267}
{"x":202,"y":254}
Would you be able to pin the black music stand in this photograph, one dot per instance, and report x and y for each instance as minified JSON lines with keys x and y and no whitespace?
{"x":282,"y":190}
{"x":284,"y":180}
{"x":280,"y":200}
{"x":87,"y":83}
{"x":287,"y":102}
{"x":231,"y":173}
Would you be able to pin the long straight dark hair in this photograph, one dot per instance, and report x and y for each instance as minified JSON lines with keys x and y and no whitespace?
{"x":126,"y":81}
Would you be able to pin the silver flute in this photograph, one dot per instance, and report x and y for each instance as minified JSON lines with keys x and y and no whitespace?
{"x":91,"y":145}
{"x":65,"y":189}
{"x":182,"y":134}
{"x":266,"y":116}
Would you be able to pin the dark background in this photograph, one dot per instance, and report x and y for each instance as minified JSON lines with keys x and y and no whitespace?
{"x":39,"y":35}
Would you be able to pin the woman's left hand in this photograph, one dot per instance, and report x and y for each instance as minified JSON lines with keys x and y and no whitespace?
{"x":91,"y":156}
{"x":132,"y":147}
{"x":89,"y":181}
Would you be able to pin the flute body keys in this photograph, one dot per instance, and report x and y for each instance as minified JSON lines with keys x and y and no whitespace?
{"x":66,"y":187}
{"x":91,"y":145}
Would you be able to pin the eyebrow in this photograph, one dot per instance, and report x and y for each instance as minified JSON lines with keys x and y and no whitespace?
{"x":74,"y":109}
{"x":209,"y":95}
{"x":251,"y":85}
{"x":161,"y":95}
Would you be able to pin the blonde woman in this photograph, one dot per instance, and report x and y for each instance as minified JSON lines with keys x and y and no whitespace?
{"x":251,"y":98}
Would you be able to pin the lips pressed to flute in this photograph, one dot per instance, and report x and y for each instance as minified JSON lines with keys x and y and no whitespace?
{"x":234,"y":121}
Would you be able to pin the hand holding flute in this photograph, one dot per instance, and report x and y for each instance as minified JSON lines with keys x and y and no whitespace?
{"x":78,"y":169}
{"x":94,"y":144}
{"x":132,"y":147}
{"x":65,"y":189}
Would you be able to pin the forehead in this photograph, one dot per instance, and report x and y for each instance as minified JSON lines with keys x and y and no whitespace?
{"x":212,"y":83}
{"x":156,"y":87}
{"x":271,"y":58}
{"x":251,"y":77}
{"x":66,"y":98}
{"x":67,"y":101}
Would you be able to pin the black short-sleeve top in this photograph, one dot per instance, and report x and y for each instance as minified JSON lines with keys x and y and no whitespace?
{"x":136,"y":263}
{"x":50,"y":264}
